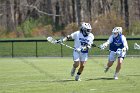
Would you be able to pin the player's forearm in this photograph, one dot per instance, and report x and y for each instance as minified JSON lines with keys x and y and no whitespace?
{"x":126,"y":46}
{"x":125,"y":43}
{"x":67,"y":38}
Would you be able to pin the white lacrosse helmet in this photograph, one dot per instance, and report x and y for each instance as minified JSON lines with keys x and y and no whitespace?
{"x":85,"y":28}
{"x":117,"y":30}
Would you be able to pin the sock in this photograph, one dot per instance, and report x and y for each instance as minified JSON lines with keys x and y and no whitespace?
{"x":78,"y":73}
{"x":73,"y":68}
{"x":107,"y":67}
{"x":116,"y":74}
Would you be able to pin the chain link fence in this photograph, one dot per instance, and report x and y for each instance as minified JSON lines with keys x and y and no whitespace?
{"x":42,"y":48}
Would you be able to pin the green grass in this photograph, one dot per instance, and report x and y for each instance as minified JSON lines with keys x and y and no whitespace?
{"x":52,"y":75}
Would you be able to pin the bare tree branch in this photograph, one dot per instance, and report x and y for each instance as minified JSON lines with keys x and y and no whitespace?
{"x":31,"y":6}
{"x":34,"y":7}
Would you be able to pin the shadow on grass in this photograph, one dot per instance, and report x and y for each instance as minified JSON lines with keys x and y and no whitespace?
{"x":51,"y":81}
{"x":103,"y":78}
{"x":67,"y":80}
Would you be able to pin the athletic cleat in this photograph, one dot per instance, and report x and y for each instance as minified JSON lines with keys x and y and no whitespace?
{"x":73,"y":72}
{"x":106,"y":69}
{"x":77,"y":78}
{"x":115,"y":77}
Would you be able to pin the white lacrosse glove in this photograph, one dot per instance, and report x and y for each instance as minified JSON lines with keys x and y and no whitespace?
{"x":84,"y":48}
{"x":102,"y":46}
{"x":119,"y":51}
{"x":78,"y":49}
{"x":124,"y":49}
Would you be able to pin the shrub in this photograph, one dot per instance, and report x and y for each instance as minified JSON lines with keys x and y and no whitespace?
{"x":104,"y":24}
{"x":42,"y":31}
{"x":72,"y":27}
{"x":28,"y":26}
{"x":135,"y":28}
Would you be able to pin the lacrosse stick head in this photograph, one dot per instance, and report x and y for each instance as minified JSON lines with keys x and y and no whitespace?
{"x":136,"y":46}
{"x":51,"y":40}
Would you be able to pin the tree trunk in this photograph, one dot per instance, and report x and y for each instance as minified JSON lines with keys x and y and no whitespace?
{"x":78,"y":11}
{"x":57,"y":8}
{"x":89,"y":7}
{"x":121,"y":8}
{"x":9,"y":16}
{"x":73,"y":11}
{"x":139,"y":8}
{"x":126,"y":14}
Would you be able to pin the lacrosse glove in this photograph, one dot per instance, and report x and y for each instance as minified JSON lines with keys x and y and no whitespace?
{"x":102,"y":47}
{"x":78,"y":49}
{"x":119,"y":51}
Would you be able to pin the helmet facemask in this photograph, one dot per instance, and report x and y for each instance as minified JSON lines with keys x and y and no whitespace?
{"x":115,"y":34}
{"x":85,"y":29}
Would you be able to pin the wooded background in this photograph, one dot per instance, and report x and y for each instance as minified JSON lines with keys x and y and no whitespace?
{"x":31,"y":18}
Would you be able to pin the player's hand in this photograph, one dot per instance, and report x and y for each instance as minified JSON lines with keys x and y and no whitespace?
{"x":59,"y":41}
{"x":119,"y":51}
{"x":84,"y":48}
{"x":102,"y":47}
{"x":124,"y":49}
{"x":78,"y":49}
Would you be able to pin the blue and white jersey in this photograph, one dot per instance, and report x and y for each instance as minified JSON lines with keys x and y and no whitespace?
{"x":117,"y":42}
{"x":80,"y":40}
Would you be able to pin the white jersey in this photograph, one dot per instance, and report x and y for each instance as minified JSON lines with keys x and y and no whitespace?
{"x":80,"y":40}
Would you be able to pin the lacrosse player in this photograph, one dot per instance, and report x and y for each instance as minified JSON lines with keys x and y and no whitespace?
{"x":118,"y":47}
{"x":83,"y":40}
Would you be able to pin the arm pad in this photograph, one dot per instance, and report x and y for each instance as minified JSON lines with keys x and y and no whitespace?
{"x":66,"y":38}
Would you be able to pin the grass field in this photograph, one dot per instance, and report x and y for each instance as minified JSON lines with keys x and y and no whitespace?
{"x":52,"y":75}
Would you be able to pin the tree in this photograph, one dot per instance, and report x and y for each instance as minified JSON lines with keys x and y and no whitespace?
{"x":78,"y":11}
{"x":73,"y":11}
{"x":126,"y":6}
{"x":57,"y":7}
{"x":121,"y":8}
{"x":89,"y":7}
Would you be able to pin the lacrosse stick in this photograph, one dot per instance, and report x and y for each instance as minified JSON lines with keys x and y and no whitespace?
{"x":52,"y":40}
{"x":94,"y":45}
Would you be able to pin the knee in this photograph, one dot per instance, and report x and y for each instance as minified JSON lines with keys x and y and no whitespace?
{"x":110,"y":63}
{"x":119,"y":64}
{"x":76,"y":64}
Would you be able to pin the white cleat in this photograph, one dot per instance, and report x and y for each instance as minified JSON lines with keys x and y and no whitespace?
{"x":116,"y":78}
{"x":77,"y":78}
{"x":73,"y":72}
